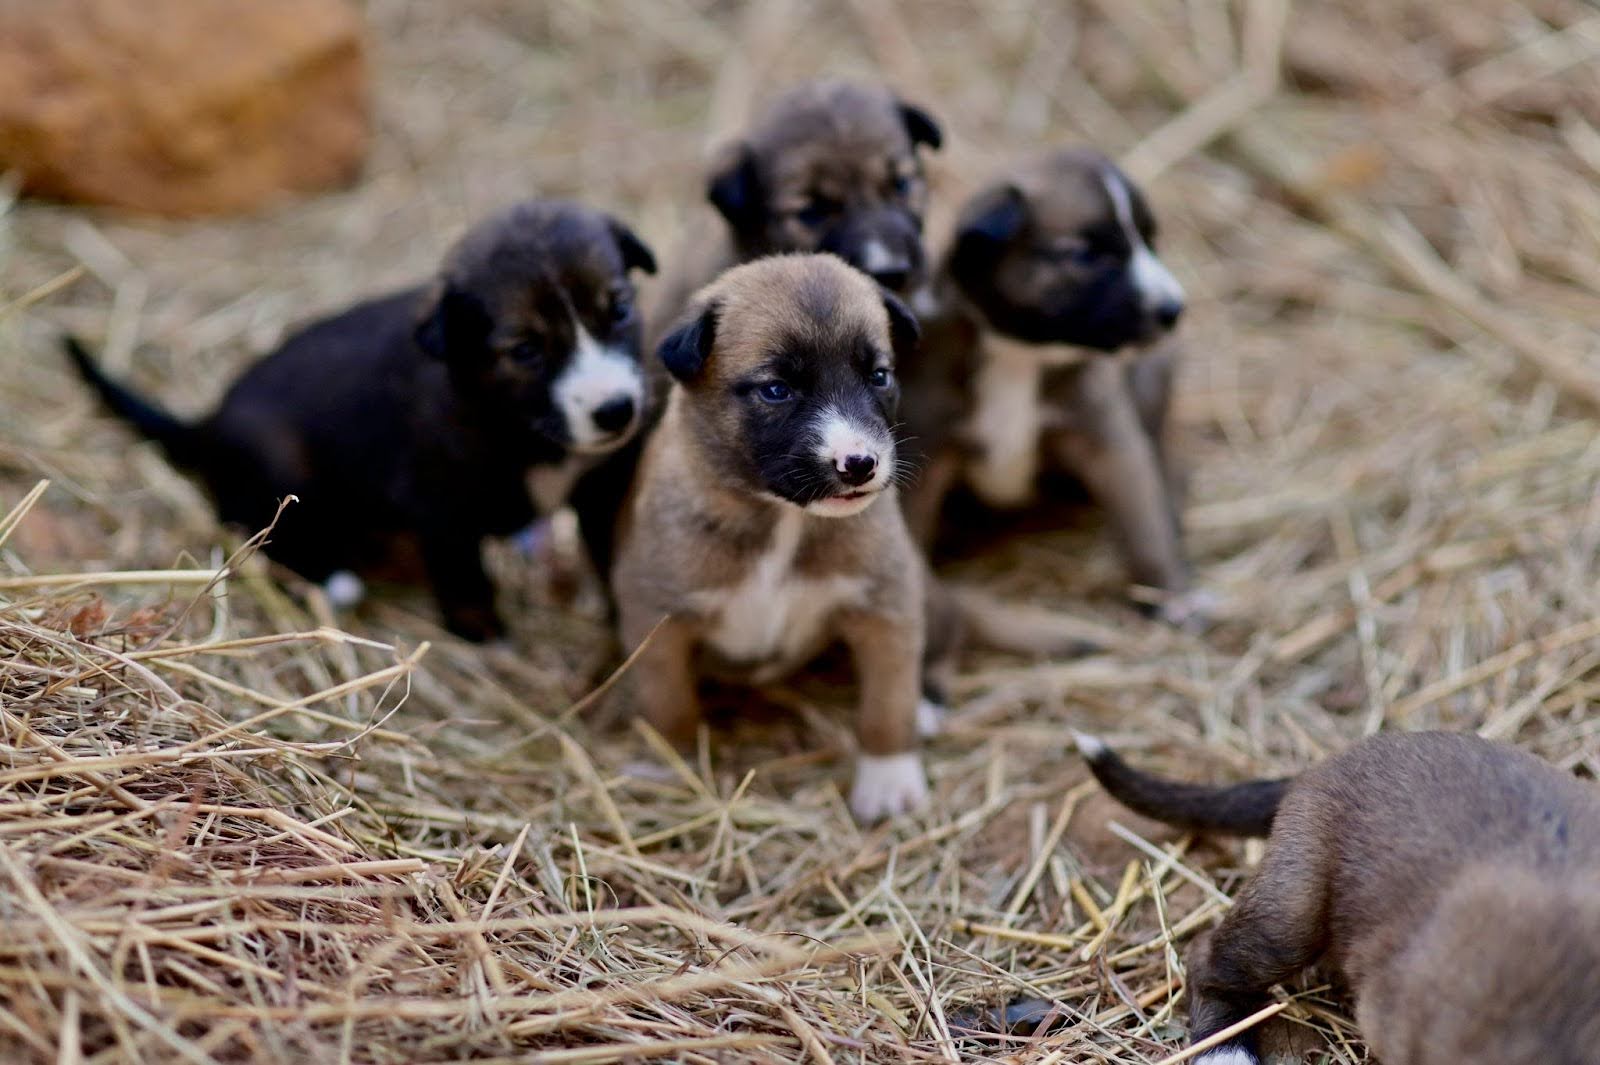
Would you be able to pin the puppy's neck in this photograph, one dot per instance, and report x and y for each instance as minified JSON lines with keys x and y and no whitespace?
{"x":946,"y":297}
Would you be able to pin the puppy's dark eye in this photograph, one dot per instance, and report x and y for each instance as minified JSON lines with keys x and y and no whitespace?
{"x":900,"y":186}
{"x":775,"y":392}
{"x":527,"y":351}
{"x":881,"y":377}
{"x":817,"y":210}
{"x":1072,"y":253}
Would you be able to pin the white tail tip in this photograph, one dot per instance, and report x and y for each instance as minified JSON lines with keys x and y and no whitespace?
{"x":1091,"y":747}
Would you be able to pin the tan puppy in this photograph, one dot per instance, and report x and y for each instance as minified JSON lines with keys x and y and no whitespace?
{"x":1037,"y":360}
{"x":1453,"y":882}
{"x":763,"y":524}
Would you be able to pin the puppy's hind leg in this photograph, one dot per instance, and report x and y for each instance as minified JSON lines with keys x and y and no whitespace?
{"x":1109,"y":448}
{"x":1275,"y":929}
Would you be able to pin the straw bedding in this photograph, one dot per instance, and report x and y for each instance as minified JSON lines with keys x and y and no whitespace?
{"x":236,"y":828}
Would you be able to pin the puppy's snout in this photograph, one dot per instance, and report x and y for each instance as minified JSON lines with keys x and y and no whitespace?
{"x":614,"y":415}
{"x":1168,"y":312}
{"x":857,"y":470}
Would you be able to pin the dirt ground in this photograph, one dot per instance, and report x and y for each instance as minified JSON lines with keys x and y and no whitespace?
{"x":1387,"y":216}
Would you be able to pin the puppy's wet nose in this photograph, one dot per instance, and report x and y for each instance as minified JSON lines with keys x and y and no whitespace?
{"x":614,"y":414}
{"x":857,"y":470}
{"x":1168,"y":312}
{"x":893,"y":277}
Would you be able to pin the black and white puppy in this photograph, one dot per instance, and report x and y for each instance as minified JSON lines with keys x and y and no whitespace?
{"x":1041,"y":358}
{"x":421,"y":422}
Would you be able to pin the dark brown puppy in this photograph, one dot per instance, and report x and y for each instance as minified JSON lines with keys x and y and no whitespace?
{"x":1039,"y":358}
{"x":422,"y":419}
{"x":830,"y":166}
{"x":763,"y":524}
{"x":1453,"y":882}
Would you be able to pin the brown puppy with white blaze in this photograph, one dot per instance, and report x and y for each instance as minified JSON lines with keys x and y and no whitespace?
{"x":1041,"y":356}
{"x":1453,"y":882}
{"x":763,"y":526}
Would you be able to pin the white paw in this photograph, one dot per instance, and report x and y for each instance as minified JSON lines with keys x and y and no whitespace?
{"x":888,"y":786}
{"x":930,"y":718}
{"x":532,"y":540}
{"x":1226,"y":1055}
{"x":1192,"y":611}
{"x":344,"y":590}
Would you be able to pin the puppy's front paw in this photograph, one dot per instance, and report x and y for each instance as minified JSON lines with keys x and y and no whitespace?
{"x":1192,"y":611}
{"x":534,"y":540}
{"x":344,"y":590}
{"x":888,"y":786}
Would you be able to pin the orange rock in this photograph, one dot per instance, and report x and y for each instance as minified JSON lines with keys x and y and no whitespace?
{"x":181,"y":107}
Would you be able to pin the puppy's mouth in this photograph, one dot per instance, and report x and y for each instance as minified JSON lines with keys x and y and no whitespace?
{"x":844,"y":504}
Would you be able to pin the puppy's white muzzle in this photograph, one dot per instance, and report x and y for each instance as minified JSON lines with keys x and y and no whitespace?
{"x":862,"y":459}
{"x":599,"y":395}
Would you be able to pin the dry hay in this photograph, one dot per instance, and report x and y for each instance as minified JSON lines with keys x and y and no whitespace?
{"x":229,"y":831}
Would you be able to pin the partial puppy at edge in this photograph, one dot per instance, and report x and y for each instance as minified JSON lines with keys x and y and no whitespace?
{"x":1452,"y":883}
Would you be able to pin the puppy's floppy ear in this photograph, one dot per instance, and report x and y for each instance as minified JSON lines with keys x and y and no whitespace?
{"x":735,"y":187}
{"x":996,"y":217}
{"x":903,"y":328}
{"x":920,"y":126}
{"x":636,"y":254}
{"x":455,"y":326}
{"x":685,"y":350}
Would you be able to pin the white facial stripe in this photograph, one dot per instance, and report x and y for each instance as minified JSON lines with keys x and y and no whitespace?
{"x":1154,"y":281}
{"x":839,"y":438}
{"x":597,"y":375}
{"x":876,"y":257}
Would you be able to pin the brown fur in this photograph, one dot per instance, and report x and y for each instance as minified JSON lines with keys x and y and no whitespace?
{"x":698,"y":521}
{"x":1103,"y":415}
{"x":1454,"y":883}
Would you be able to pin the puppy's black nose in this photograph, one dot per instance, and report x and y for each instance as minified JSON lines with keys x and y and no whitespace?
{"x":1168,"y":313}
{"x":858,"y":469}
{"x":893,"y":277}
{"x":613,"y":415}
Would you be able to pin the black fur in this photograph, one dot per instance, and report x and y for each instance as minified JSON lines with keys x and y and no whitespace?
{"x":684,"y":351}
{"x":1244,"y":809}
{"x":408,"y":424}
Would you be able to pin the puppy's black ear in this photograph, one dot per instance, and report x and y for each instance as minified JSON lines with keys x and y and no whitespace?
{"x":995,"y":218}
{"x":903,"y":328}
{"x":735,"y":187}
{"x":455,"y":328}
{"x":684,"y":352}
{"x":920,"y":126}
{"x":636,"y":254}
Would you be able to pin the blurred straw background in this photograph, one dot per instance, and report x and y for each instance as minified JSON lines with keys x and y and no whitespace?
{"x":230,"y":831}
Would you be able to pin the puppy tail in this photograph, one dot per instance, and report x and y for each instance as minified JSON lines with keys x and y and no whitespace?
{"x":1023,"y":629}
{"x":176,"y":437}
{"x":1245,"y":809}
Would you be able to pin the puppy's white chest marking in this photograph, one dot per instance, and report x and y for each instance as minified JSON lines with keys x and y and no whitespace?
{"x":773,"y":618}
{"x":1008,"y":417}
